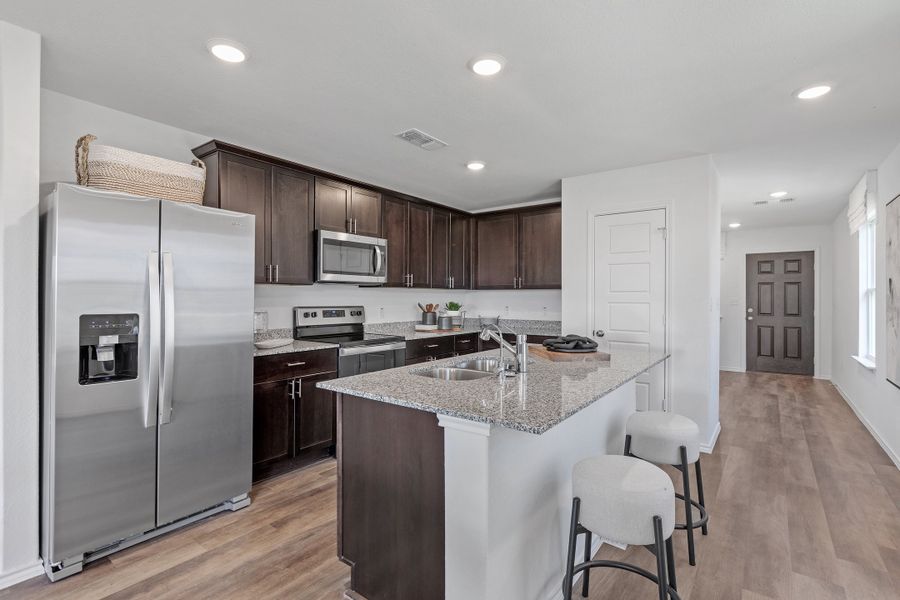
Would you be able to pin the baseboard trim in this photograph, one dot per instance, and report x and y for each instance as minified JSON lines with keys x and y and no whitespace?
{"x":18,"y":576}
{"x":732,"y":369}
{"x":862,"y":418}
{"x":710,"y":445}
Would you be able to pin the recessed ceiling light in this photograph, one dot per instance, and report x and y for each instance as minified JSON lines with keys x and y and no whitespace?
{"x":475,"y":165}
{"x":734,"y":225}
{"x":487,"y":65}
{"x":817,"y":91}
{"x":777,"y":194}
{"x":227,"y":50}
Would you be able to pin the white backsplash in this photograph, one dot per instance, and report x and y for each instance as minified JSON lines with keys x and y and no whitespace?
{"x":398,"y":304}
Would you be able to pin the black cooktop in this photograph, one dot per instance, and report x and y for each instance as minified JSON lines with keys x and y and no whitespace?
{"x":359,"y":338}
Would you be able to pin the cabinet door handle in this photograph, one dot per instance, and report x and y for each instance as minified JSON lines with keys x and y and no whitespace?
{"x":295,"y":364}
{"x":463,"y":341}
{"x":276,"y":273}
{"x":298,"y":388}
{"x":291,"y":389}
{"x":515,"y":282}
{"x":412,"y":279}
{"x":432,"y":345}
{"x":521,"y":282}
{"x":268,"y":273}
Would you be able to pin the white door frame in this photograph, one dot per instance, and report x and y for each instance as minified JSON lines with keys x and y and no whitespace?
{"x":635,"y":207}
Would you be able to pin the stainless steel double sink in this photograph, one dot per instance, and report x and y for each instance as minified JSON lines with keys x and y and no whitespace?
{"x":476,"y":368}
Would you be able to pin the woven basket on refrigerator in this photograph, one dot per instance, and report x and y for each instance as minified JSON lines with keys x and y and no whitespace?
{"x":111,"y":168}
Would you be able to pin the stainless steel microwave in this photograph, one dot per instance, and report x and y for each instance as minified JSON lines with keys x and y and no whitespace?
{"x":350,"y":258}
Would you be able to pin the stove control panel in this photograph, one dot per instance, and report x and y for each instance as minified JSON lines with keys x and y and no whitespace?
{"x":305,"y":316}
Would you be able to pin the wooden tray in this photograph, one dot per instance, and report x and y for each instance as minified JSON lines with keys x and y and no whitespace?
{"x":541,"y":351}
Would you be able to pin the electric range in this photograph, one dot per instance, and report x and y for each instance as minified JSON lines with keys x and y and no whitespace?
{"x":358,"y":351}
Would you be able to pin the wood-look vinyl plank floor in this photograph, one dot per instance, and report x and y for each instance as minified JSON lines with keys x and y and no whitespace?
{"x":803,"y":504}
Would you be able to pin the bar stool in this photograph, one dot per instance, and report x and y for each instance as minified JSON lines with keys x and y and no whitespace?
{"x":625,"y":500}
{"x":671,"y":439}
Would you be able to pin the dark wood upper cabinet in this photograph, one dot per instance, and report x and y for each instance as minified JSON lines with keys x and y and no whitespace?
{"x":344,"y":207}
{"x":496,"y":251}
{"x":244,"y":187}
{"x":281,"y":199}
{"x":407,"y":227}
{"x":428,"y":245}
{"x":419,"y":245}
{"x":449,"y":250}
{"x":396,"y":230}
{"x":540,"y":248}
{"x":292,"y":234}
{"x":460,"y":244}
{"x":440,"y":249}
{"x":519,"y":249}
{"x":365,"y":212}
{"x":332,"y":205}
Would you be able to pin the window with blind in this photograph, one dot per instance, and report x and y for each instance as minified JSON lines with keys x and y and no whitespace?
{"x":861,"y":216}
{"x":867,"y":291}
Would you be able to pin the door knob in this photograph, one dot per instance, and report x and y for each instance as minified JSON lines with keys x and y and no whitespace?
{"x":599,"y":333}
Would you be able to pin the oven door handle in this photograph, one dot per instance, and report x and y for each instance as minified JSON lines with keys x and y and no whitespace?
{"x":354,"y":350}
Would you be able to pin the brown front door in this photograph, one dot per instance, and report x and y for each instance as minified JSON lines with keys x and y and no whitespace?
{"x":780,"y":322}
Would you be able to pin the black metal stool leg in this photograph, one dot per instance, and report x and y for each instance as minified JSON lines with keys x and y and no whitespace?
{"x":586,"y":576}
{"x":627,"y":445}
{"x":688,"y":509}
{"x":670,"y":562}
{"x":699,"y":475}
{"x":570,"y":560}
{"x":660,"y":552}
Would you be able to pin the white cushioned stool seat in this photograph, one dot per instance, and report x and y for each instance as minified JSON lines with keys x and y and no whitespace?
{"x":620,"y":495}
{"x":658,"y":436}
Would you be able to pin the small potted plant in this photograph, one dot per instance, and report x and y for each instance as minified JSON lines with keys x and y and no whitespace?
{"x":451,"y":309}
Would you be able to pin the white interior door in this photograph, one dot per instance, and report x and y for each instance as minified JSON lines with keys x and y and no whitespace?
{"x":630,"y":292}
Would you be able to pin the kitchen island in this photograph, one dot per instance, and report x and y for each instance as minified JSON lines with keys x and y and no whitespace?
{"x":461,"y":489}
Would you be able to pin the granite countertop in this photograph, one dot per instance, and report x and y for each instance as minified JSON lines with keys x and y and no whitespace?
{"x":285,"y":334}
{"x":407,"y":329}
{"x":294,"y":346}
{"x":534,"y":402}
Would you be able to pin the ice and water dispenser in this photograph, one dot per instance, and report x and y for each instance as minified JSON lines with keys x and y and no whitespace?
{"x":108,"y":348}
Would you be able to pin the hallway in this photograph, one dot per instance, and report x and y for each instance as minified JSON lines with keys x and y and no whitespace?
{"x":803,"y":503}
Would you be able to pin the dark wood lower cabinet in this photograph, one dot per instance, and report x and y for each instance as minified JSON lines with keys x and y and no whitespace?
{"x":293,"y":420}
{"x":391,"y":500}
{"x":273,"y":424}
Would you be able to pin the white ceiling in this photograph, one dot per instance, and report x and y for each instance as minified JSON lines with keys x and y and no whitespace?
{"x":589,"y":86}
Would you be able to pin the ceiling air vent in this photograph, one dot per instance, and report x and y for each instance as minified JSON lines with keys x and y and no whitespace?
{"x":785,"y":200}
{"x":760,"y":202}
{"x":421,"y":139}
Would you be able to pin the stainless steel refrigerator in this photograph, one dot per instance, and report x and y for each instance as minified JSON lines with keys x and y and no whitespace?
{"x":147,"y":342}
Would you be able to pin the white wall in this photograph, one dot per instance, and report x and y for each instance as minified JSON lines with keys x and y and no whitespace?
{"x":687,"y":189}
{"x":876,"y":402}
{"x":389,"y":304}
{"x":20,"y":68}
{"x":741,"y":242}
{"x":64,"y":119}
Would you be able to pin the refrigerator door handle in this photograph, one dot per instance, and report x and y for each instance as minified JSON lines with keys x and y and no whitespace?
{"x":168,"y":380}
{"x":152,"y":391}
